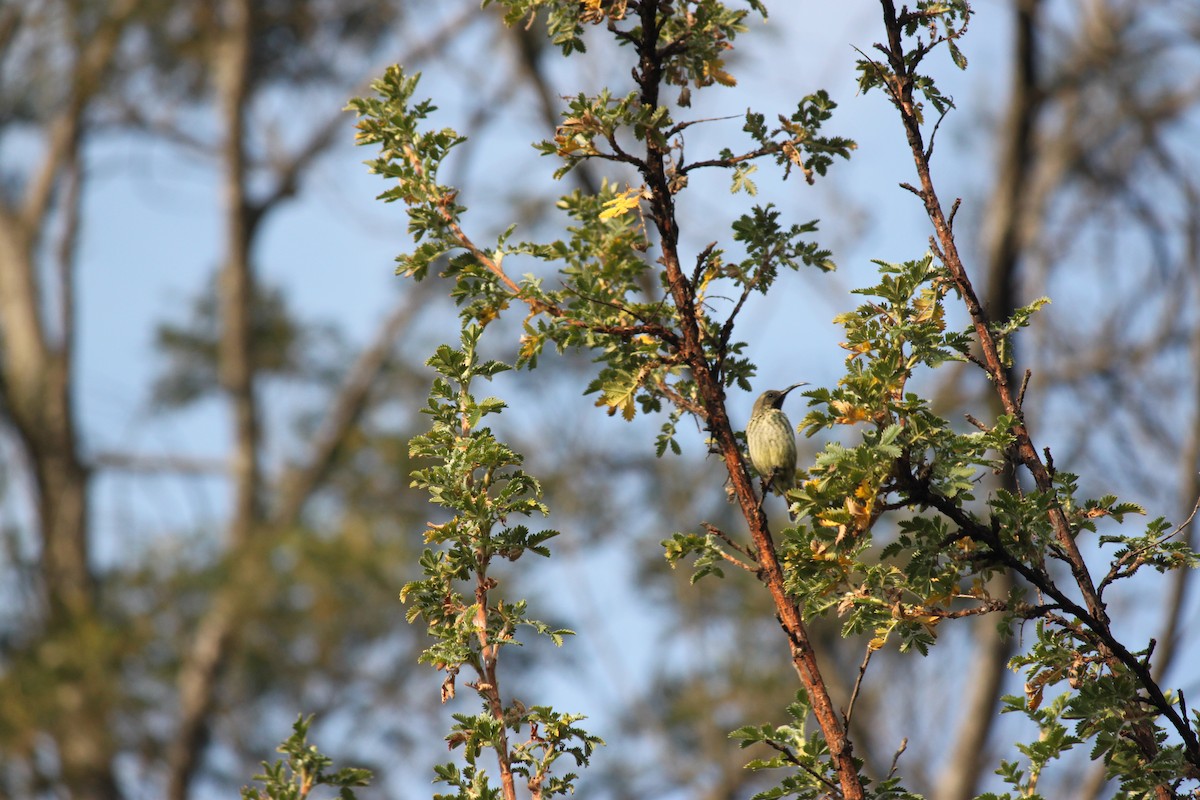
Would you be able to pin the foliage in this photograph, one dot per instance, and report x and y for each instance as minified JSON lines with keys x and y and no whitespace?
{"x":894,"y":529}
{"x":304,"y":770}
{"x":803,"y":754}
{"x":479,"y":480}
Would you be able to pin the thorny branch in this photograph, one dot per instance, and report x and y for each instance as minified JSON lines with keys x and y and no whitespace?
{"x":900,"y":84}
{"x":648,"y":76}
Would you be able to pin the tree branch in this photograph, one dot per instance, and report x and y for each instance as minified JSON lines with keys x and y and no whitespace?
{"x":900,"y":85}
{"x":299,"y":482}
{"x":649,"y":75}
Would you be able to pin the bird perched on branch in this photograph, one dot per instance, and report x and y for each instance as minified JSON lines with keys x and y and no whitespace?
{"x":772,"y":440}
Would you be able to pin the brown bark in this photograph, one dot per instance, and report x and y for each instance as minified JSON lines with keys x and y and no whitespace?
{"x":37,"y":389}
{"x":38,"y":404}
{"x":236,"y":282}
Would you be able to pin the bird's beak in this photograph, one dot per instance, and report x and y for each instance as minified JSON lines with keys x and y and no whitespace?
{"x":784,"y":393}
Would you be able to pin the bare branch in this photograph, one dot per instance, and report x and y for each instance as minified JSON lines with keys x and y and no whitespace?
{"x":728,"y":540}
{"x":862,"y":671}
{"x":90,"y":67}
{"x":158,"y":464}
{"x":299,"y":482}
{"x":732,"y":161}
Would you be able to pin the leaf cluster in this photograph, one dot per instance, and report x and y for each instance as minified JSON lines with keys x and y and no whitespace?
{"x":479,"y":481}
{"x":943,"y":547}
{"x":410,"y":157}
{"x":610,"y":299}
{"x":930,"y":23}
{"x":478,"y":478}
{"x":832,"y":564}
{"x":304,"y":769}
{"x":947,"y":538}
{"x":551,"y":735}
{"x":689,"y":41}
{"x":805,"y":755}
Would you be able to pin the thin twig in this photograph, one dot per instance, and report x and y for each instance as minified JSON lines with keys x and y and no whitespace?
{"x":790,"y":756}
{"x":933,"y":135}
{"x":862,"y":670}
{"x":1121,"y":568}
{"x":701,"y":258}
{"x":726,"y":538}
{"x":896,"y":758}
{"x":680,"y":127}
{"x":971,"y":419}
{"x":1024,"y":386}
{"x":770,"y":149}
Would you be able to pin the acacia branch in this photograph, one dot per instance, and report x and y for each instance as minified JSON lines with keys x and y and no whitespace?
{"x":792,"y":759}
{"x":649,"y":76}
{"x":1129,"y":562}
{"x":1008,"y":216}
{"x":733,"y":161}
{"x":728,"y":540}
{"x":679,"y":401}
{"x":1097,"y":631}
{"x":680,"y":127}
{"x":647,"y":328}
{"x":536,"y":304}
{"x":900,"y":85}
{"x":848,"y":716}
{"x":489,"y":685}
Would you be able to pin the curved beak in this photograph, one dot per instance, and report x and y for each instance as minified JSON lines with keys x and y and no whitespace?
{"x":784,"y":393}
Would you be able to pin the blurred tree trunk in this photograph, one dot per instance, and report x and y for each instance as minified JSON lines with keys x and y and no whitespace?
{"x":203,"y":662}
{"x":66,"y":664}
{"x":37,"y":398}
{"x":231,"y":71}
{"x":37,"y":323}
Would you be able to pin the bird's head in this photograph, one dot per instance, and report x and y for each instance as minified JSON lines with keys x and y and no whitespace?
{"x":773,"y":398}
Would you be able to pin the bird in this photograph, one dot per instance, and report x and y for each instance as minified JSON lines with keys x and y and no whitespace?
{"x":772,"y":440}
